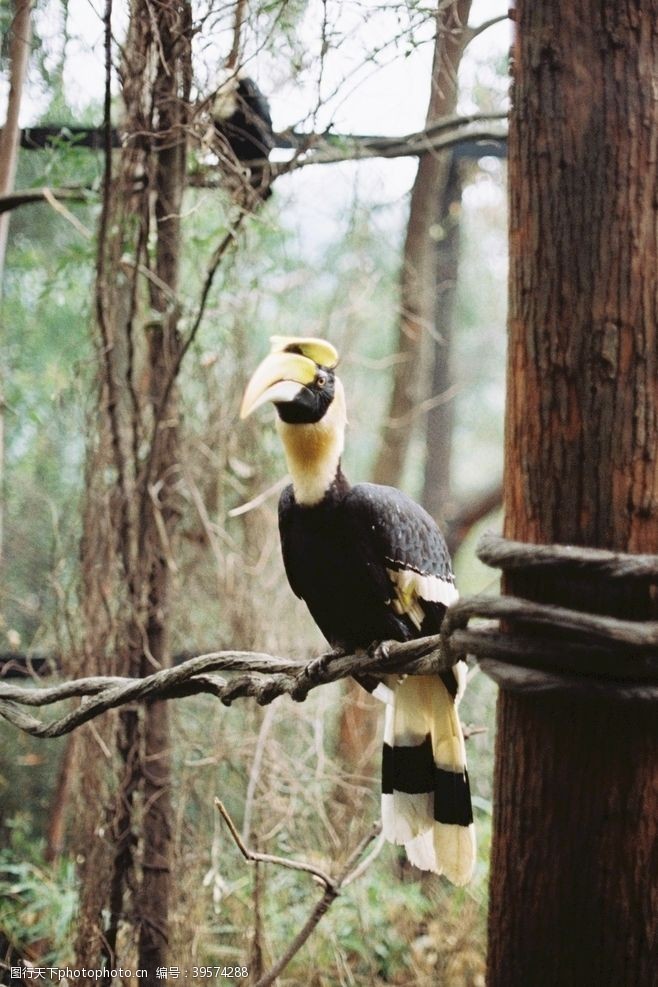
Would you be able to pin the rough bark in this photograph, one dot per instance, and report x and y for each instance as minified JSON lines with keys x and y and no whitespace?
{"x":573,"y":881}
{"x":418,"y":275}
{"x":19,"y":50}
{"x":172,"y":93}
{"x":130,"y":521}
{"x":20,"y":35}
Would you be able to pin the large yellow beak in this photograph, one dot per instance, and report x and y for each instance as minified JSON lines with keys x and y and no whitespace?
{"x":292,"y":364}
{"x":279,"y":377}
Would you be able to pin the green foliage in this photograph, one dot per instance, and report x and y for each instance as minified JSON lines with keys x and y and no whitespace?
{"x":37,"y":901}
{"x":28,"y":770}
{"x":45,"y":371}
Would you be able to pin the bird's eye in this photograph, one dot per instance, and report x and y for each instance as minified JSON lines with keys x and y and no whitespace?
{"x":320,"y":380}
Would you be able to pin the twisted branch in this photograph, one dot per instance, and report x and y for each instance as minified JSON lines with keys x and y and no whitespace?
{"x":259,"y":675}
{"x":601,"y":650}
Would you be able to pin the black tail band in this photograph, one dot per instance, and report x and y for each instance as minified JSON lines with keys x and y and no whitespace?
{"x":412,"y":770}
{"x":408,"y":769}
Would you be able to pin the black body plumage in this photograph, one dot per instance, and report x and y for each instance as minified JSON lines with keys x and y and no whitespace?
{"x":248,"y":127}
{"x":338,"y":553}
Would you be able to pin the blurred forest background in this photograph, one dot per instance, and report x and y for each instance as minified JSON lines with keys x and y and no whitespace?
{"x":322,"y":256}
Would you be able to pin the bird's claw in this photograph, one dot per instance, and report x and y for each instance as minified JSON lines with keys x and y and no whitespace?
{"x":379,"y":651}
{"x":317,"y":667}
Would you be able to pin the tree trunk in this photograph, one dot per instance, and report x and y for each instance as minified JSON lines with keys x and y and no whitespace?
{"x":130,"y":521}
{"x":439,"y":420}
{"x":20,"y":35}
{"x":172,"y":93}
{"x":573,"y":864}
{"x":19,"y":52}
{"x":419,"y":263}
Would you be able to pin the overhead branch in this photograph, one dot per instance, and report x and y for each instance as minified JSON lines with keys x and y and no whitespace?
{"x":352,"y":145}
{"x":330,"y":152}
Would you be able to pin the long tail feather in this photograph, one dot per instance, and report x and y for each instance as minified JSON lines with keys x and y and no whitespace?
{"x":426,"y":802}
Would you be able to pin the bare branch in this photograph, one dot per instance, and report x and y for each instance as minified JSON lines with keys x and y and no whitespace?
{"x":440,"y":136}
{"x":267,"y":858}
{"x":349,"y":873}
{"x":260,"y":498}
{"x":26,"y":197}
{"x":54,"y":203}
{"x":478,"y":29}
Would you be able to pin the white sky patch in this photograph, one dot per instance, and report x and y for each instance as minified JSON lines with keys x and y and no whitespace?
{"x":352,"y":91}
{"x":372,"y":79}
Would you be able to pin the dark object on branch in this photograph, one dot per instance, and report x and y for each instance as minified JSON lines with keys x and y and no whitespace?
{"x":243,"y":135}
{"x":372,"y":565}
{"x":241,"y":116}
{"x":57,"y":134}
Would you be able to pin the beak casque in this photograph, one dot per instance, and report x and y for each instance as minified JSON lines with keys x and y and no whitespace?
{"x":292,"y":364}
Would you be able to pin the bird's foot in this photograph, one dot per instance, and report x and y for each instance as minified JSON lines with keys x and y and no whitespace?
{"x":379,"y":651}
{"x":317,"y":668}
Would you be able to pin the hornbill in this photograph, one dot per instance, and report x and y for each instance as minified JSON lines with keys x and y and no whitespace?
{"x":243,"y":132}
{"x":372,"y":565}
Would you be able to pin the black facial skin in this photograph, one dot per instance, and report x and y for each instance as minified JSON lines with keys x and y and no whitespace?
{"x":311,"y":403}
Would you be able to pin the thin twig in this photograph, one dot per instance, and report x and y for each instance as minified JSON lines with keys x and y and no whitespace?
{"x":478,"y":29}
{"x":254,"y":774}
{"x":367,"y":861}
{"x":260,"y":498}
{"x":269,"y":858}
{"x":215,"y":261}
{"x":54,"y":203}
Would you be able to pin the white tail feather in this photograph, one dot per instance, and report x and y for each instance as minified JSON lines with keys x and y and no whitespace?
{"x":455,"y":851}
{"x":422,"y":852}
{"x":423,"y":706}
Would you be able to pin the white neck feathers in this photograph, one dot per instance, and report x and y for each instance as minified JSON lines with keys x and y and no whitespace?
{"x":313,"y":451}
